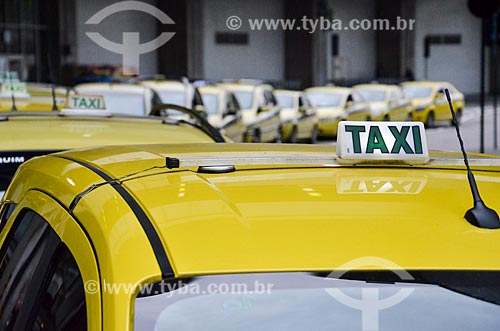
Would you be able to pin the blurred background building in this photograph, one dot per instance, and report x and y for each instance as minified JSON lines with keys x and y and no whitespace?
{"x":45,"y":40}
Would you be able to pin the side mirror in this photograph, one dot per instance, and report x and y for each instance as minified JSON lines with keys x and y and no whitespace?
{"x":439,"y":95}
{"x":302,"y":110}
{"x":349,"y":104}
{"x":230,"y":112}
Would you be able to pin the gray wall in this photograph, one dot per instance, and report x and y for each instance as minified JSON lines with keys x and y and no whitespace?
{"x":262,"y":57}
{"x":458,"y":64}
{"x":356,"y":48}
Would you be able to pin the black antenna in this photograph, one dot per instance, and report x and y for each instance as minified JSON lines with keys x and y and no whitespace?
{"x":14,"y":108}
{"x":54,"y":102}
{"x":479,"y":215}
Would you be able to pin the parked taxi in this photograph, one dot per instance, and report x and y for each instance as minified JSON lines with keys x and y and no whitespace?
{"x":86,"y":122}
{"x":387,"y":102}
{"x":223,"y":111}
{"x":298,"y":117}
{"x":334,"y":104}
{"x":260,"y":110}
{"x":430,"y":103}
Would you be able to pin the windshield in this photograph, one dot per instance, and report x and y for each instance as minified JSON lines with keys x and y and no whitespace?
{"x":245,"y":99}
{"x":211,"y":102}
{"x":174,"y":98}
{"x":308,"y":301}
{"x":325,"y":99}
{"x":125,"y":104}
{"x":372,"y":95}
{"x":417,"y":92}
{"x":285,"y":100}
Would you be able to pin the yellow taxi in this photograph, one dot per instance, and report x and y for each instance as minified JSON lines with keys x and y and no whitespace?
{"x":223,"y":111}
{"x":31,"y":96}
{"x":334,"y":104}
{"x":84,"y":123}
{"x":181,"y":93}
{"x":260,"y":110}
{"x":252,"y":237}
{"x":430,"y":103}
{"x":387,"y":102}
{"x":122,"y":98}
{"x":298,"y":117}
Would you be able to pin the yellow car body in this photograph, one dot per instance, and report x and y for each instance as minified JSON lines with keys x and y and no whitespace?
{"x":430,"y":103}
{"x":29,"y":134}
{"x":387,"y":102}
{"x":223,"y":111}
{"x":129,"y":221}
{"x":298,"y":117}
{"x":38,"y":98}
{"x":261,"y":113}
{"x":334,"y":104}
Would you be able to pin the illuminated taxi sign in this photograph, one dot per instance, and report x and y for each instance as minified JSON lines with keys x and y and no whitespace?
{"x":85,"y":105}
{"x":16,"y":88}
{"x":375,"y":142}
{"x":8,"y":76}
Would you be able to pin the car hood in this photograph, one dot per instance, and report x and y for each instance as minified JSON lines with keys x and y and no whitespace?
{"x":421,"y":101}
{"x":292,"y":218}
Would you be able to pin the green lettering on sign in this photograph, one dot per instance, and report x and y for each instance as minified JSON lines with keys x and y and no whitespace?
{"x":417,"y":140}
{"x":356,"y":141}
{"x":400,"y":142}
{"x":376,"y":141}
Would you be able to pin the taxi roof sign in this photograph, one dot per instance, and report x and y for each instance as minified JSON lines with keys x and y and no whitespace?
{"x":8,"y":76}
{"x":85,"y":105}
{"x":379,"y":142}
{"x":18,"y":89}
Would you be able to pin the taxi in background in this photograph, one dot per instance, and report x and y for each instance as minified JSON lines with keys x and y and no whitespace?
{"x":223,"y":111}
{"x":430,"y":103}
{"x":122,"y":98}
{"x":252,"y":237}
{"x":387,"y":102}
{"x":177,"y":92}
{"x":260,"y":110}
{"x":298,"y":117}
{"x":334,"y":104}
{"x":31,"y":96}
{"x":86,"y":122}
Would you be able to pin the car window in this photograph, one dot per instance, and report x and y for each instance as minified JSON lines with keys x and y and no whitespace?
{"x":372,"y":95}
{"x":245,"y":99}
{"x":357,"y":97}
{"x":42,"y":288}
{"x":286,"y":100}
{"x":211,"y":102}
{"x":325,"y":99}
{"x":394,"y":95}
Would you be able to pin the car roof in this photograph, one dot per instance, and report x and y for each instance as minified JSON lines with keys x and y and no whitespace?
{"x":111,"y":87}
{"x":385,"y":87}
{"x":37,"y":132}
{"x":164,"y":85}
{"x":336,"y":89}
{"x":289,"y":92}
{"x":263,"y":218}
{"x":425,"y":83}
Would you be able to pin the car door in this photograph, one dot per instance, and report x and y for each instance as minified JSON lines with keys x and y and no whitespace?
{"x":232,"y":121}
{"x":306,"y":117}
{"x":398,"y":110}
{"x":441,"y":105}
